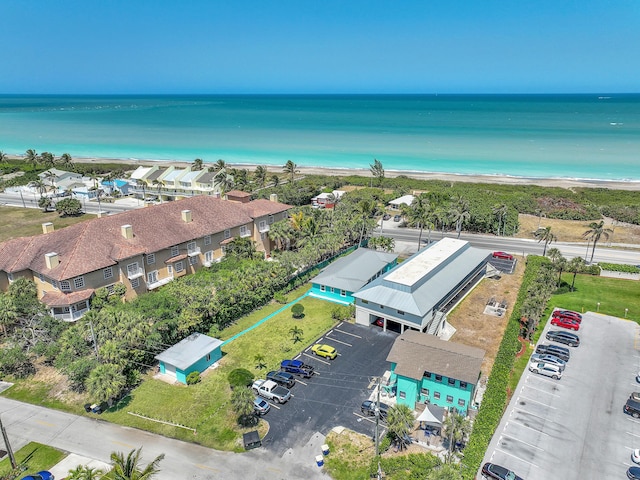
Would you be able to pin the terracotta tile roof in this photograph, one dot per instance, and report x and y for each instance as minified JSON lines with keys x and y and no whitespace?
{"x":414,"y":353}
{"x":98,"y":243}
{"x":60,"y":299}
{"x":177,"y":258}
{"x":262,"y":207}
{"x":238,"y":194}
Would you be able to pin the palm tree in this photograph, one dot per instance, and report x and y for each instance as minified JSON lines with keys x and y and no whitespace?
{"x":575,"y":266}
{"x":500,"y":211}
{"x":3,"y":156}
{"x":158,"y":184}
{"x":130,"y":469}
{"x":377,"y":171}
{"x":48,"y":159}
{"x":219,"y":165}
{"x":364,"y":208}
{"x":197,"y":164}
{"x":242,"y":403}
{"x":290,"y":169}
{"x":223,"y":181}
{"x":460,"y":213}
{"x":66,"y":161}
{"x":40,"y":186}
{"x":400,"y":421}
{"x":259,"y":359}
{"x":296,"y":334}
{"x":260,"y":175}
{"x":595,"y":232}
{"x":419,"y":213}
{"x":44,"y":203}
{"x":143,"y":184}
{"x":49,"y":175}
{"x":545,"y":234}
{"x":275,"y":180}
{"x":84,"y":472}
{"x":31,"y":156}
{"x":456,"y":427}
{"x":105,"y":382}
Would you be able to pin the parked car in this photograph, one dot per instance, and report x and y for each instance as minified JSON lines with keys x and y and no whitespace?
{"x":502,"y":255}
{"x":633,"y":473}
{"x":379,"y":322}
{"x":42,"y":475}
{"x":635,"y":456}
{"x":635,"y":396}
{"x":546,"y":369}
{"x":550,"y":359}
{"x":261,"y":406}
{"x":571,"y":315}
{"x":368,"y":408}
{"x":397,"y":218}
{"x":498,"y":472}
{"x":386,"y":216}
{"x":297,"y":367}
{"x":632,"y":407}
{"x":326,"y":351}
{"x":565,"y":323}
{"x":561,"y":352}
{"x":282,"y":378}
{"x":567,"y":338}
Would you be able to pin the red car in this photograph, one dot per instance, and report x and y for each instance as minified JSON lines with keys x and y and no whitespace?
{"x":379,"y":322}
{"x":565,"y":323}
{"x":567,"y":314}
{"x":502,"y":255}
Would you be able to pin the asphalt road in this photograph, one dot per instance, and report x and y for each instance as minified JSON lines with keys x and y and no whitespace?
{"x":333,"y":396}
{"x":575,"y":427}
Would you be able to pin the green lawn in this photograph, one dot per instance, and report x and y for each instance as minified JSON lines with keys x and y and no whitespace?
{"x":35,"y":457}
{"x":25,"y":222}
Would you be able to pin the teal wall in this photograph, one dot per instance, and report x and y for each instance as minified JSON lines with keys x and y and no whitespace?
{"x":199,"y":366}
{"x":330,"y":294}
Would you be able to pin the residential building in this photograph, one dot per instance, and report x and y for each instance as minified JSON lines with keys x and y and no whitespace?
{"x":350,"y":273}
{"x":419,"y":292}
{"x":398,"y":203}
{"x":169,"y":183}
{"x":427,"y":369}
{"x":327,"y":200}
{"x":142,"y":249}
{"x":195,"y":353}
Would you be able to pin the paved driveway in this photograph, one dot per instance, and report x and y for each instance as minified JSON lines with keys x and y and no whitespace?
{"x":574,"y":427}
{"x":333,"y":396}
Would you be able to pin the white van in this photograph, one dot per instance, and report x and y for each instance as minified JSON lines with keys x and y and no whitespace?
{"x":546,"y":369}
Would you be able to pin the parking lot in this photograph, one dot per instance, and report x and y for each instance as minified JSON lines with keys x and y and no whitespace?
{"x":574,"y":427}
{"x":332,"y":397}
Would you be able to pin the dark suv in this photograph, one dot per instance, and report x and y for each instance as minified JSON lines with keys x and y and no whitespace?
{"x":282,"y":378}
{"x":567,"y":338}
{"x":556,"y":350}
{"x":632,"y":407}
{"x":369,"y":408}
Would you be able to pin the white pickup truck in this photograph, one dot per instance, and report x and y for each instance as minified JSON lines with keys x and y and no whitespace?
{"x":271,"y":390}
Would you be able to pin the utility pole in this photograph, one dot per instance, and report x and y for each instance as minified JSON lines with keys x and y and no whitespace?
{"x":377,"y":425}
{"x":14,"y":465}
{"x":93,"y":337}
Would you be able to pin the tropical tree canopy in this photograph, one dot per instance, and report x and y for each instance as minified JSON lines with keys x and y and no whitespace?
{"x":129,"y":467}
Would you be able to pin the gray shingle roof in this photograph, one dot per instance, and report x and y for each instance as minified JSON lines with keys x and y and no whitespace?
{"x":414,"y":353}
{"x":353,"y":271}
{"x":189,"y":350}
{"x":420,"y":297}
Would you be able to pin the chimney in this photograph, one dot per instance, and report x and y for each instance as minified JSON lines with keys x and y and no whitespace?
{"x":186,"y":216}
{"x":51,"y":260}
{"x":127,"y":231}
{"x":47,"y":227}
{"x":273,"y":197}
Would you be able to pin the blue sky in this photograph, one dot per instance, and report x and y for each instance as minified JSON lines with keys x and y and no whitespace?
{"x":321,"y":46}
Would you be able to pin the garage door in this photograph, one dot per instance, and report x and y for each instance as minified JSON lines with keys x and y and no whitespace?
{"x":170,"y":369}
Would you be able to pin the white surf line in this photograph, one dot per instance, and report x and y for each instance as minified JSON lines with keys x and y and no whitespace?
{"x":339,"y":341}
{"x":517,"y":458}
{"x":316,"y":358}
{"x":346,"y":333}
{"x":534,"y":401}
{"x":520,"y":441}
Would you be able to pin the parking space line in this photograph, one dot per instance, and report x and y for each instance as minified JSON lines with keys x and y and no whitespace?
{"x":518,"y":458}
{"x":528,"y":413}
{"x":521,"y":441}
{"x":329,"y":332}
{"x":346,"y":333}
{"x":535,"y":401}
{"x":527,"y":426}
{"x":339,"y":341}
{"x":316,"y":358}
{"x":300,"y":381}
{"x":552,"y":382}
{"x":633,"y":420}
{"x":543,"y":391}
{"x":633,"y":434}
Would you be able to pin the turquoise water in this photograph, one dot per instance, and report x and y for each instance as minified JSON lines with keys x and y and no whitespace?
{"x":563,"y":136}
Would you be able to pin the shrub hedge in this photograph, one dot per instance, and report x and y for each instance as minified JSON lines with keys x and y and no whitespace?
{"x":616,"y":267}
{"x":495,"y":397}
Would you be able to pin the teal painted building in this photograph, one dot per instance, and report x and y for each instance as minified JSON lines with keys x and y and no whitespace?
{"x":427,"y":369}
{"x":195,"y":353}
{"x":348,"y":274}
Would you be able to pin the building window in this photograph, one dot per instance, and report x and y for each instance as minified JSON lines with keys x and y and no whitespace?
{"x":262,"y":225}
{"x":227,"y":233}
{"x":110,"y":289}
{"x":323,"y":288}
{"x":132,"y":269}
{"x":108,"y":272}
{"x":41,"y":276}
{"x":179,"y":267}
{"x":461,"y":402}
{"x":438,"y":378}
{"x":366,"y":302}
{"x":170,"y":269}
{"x":135,"y":283}
{"x":343,"y":293}
{"x":208,"y":357}
{"x":403,"y":395}
{"x":270,"y":219}
{"x":449,"y":399}
{"x":207,"y":240}
{"x":175,"y":251}
{"x":427,"y":374}
{"x":463,"y":385}
{"x":243,"y":230}
{"x":65,"y":286}
{"x":452,"y":381}
{"x":425,"y":392}
{"x":193,"y":260}
{"x":151,"y":259}
{"x":78,"y":282}
{"x":152,"y":277}
{"x":191,"y":247}
{"x":436,"y":395}
{"x":400,"y":312}
{"x":208,"y":256}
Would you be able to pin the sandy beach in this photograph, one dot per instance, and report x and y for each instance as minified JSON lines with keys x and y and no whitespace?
{"x":449,"y":177}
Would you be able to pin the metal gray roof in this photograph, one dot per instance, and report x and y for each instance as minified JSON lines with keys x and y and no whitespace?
{"x":422,"y":295}
{"x":414,"y":353}
{"x":189,"y":350}
{"x":353,"y":271}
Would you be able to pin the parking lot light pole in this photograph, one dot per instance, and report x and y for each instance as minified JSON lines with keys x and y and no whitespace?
{"x":378,"y":418}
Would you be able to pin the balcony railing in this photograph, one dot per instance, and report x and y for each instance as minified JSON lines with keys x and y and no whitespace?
{"x":244,"y":234}
{"x":70,"y":316}
{"x":134,"y":273}
{"x":192,"y":252}
{"x":263,"y":228}
{"x":159,"y":283}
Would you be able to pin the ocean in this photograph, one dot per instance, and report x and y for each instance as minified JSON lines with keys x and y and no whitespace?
{"x":536,"y":136}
